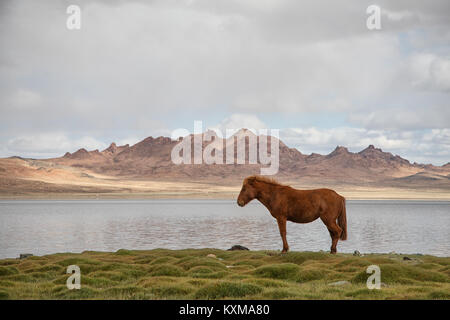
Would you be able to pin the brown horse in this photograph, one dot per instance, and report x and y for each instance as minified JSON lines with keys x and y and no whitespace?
{"x":301,"y":206}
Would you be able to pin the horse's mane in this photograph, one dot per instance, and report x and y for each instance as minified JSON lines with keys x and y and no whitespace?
{"x":265,"y":180}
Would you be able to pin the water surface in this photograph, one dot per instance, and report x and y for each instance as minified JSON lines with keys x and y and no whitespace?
{"x":44,"y":227}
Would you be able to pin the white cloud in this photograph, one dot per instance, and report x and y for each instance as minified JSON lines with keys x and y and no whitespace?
{"x":23,"y":99}
{"x":243,"y":120}
{"x":137,"y":68}
{"x":406,"y":117}
{"x":430,"y":71}
{"x":236,"y":121}
{"x":429,"y":146}
{"x":49,"y":145}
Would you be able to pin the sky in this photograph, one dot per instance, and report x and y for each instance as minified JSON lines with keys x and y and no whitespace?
{"x":309,"y":68}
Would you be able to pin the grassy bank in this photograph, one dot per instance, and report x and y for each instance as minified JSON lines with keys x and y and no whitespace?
{"x":192,"y":274}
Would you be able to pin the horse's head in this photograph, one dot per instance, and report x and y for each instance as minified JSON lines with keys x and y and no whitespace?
{"x":248,"y":191}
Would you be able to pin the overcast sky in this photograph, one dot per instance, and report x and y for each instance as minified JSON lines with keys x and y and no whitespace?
{"x":311,"y":69}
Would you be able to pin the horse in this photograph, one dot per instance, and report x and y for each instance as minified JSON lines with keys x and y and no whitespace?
{"x":300,"y":206}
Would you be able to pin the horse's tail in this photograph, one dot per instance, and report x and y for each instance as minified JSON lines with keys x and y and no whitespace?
{"x":342,"y":220}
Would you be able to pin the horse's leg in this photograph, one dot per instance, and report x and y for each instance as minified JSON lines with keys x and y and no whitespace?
{"x":282,"y":227}
{"x":335,"y":232}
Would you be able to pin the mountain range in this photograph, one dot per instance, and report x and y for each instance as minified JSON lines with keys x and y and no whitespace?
{"x":150,"y":160}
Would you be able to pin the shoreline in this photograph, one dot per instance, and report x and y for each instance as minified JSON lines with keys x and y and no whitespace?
{"x":392,"y":254}
{"x":195,"y":198}
{"x":375,"y":196}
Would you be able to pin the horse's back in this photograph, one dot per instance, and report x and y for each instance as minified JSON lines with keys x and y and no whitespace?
{"x":328,"y":197}
{"x":317,"y":201}
{"x":322,"y":193}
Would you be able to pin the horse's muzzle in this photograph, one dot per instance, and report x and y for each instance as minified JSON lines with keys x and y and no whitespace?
{"x":240,"y":203}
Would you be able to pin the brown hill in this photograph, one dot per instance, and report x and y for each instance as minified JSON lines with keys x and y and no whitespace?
{"x":151,"y":159}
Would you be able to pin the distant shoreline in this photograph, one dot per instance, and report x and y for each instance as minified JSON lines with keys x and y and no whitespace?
{"x":224,"y":190}
{"x":376,"y":196}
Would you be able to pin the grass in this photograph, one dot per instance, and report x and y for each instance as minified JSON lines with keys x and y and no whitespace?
{"x":192,"y":274}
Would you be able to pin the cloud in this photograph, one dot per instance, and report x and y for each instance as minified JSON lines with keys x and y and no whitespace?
{"x":237,"y":121}
{"x":430,"y":72}
{"x":403,"y":118}
{"x":50,"y":145}
{"x":24,"y":99}
{"x":325,"y":140}
{"x":427,"y":146}
{"x":139,"y":68}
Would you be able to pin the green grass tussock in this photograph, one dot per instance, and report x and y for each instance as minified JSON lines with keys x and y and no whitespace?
{"x":77,"y":261}
{"x":203,"y":261}
{"x":278,"y":271}
{"x":221,"y":290}
{"x":404,"y":274}
{"x":192,"y":274}
{"x":168,"y":270}
{"x":5,"y":271}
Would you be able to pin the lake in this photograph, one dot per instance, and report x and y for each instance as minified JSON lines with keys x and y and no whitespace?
{"x":44,"y":227}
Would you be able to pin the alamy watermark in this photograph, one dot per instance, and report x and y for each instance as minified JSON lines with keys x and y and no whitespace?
{"x":374,"y":280}
{"x":73,"y":21}
{"x":373,"y":22}
{"x":74,"y":281}
{"x":190,"y":149}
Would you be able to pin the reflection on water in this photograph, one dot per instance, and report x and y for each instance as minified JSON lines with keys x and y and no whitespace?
{"x":43,"y":227}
